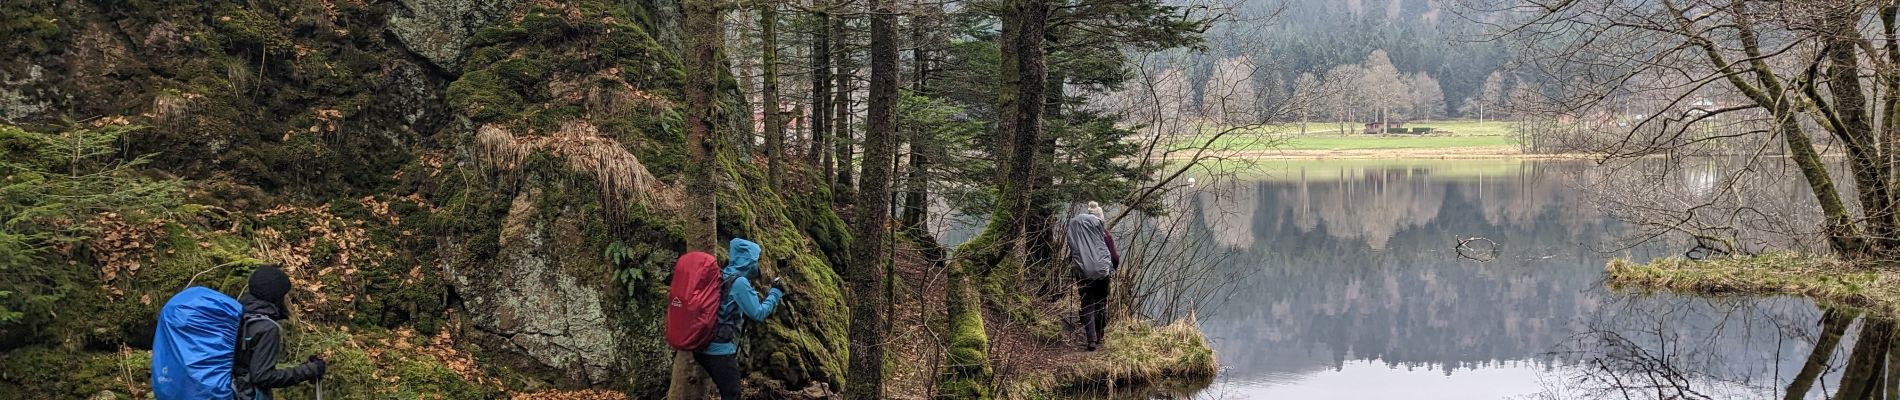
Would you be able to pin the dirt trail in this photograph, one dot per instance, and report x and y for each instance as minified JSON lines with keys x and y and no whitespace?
{"x":918,"y":320}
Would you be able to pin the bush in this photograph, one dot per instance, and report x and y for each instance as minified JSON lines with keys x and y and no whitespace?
{"x":1422,"y":131}
{"x":58,"y":191}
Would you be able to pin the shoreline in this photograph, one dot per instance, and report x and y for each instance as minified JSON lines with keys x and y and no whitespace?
{"x":1825,"y":280}
{"x":1443,"y":153}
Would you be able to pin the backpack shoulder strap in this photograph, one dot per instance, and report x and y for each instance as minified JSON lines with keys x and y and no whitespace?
{"x":727,"y":315}
{"x":245,"y":332}
{"x":242,"y":360}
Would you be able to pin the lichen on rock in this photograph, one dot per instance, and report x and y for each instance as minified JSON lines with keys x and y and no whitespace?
{"x":439,"y":30}
{"x":530,"y":301}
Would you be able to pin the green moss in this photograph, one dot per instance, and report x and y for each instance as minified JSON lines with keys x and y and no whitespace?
{"x":484,"y":96}
{"x":25,"y":25}
{"x":47,"y":373}
{"x":184,"y":256}
{"x":248,"y":28}
{"x":807,"y":339}
{"x":653,"y":138}
{"x":967,"y":372}
{"x":371,"y":364}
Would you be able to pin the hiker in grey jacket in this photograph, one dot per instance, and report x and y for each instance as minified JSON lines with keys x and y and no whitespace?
{"x":1093,"y":259}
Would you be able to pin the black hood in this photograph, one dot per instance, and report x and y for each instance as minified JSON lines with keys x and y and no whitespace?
{"x":253,"y":305}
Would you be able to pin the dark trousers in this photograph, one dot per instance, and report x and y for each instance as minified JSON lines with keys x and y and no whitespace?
{"x":1094,"y":304}
{"x":724,"y":371}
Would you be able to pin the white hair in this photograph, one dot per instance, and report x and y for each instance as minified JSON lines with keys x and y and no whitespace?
{"x":1096,"y":208}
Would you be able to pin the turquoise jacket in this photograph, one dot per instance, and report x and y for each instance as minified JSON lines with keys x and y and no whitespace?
{"x":741,"y":298}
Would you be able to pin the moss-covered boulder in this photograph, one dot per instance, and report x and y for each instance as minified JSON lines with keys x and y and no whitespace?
{"x":577,"y":126}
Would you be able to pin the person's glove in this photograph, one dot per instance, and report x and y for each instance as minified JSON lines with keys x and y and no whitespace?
{"x":779,"y":287}
{"x":318,"y":364}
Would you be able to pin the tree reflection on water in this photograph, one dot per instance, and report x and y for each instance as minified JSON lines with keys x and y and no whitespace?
{"x":1647,"y":350}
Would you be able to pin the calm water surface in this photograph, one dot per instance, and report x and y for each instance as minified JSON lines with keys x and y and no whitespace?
{"x":1355,"y":291}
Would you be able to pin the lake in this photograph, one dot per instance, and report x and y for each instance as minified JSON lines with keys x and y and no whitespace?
{"x":1354,"y":289}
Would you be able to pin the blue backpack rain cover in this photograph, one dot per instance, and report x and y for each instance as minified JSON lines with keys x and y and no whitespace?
{"x":193,"y":350}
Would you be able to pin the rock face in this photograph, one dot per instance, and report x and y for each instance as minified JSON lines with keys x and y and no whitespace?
{"x":439,"y":30}
{"x":542,"y":299}
{"x":13,"y":103}
{"x":544,"y":242}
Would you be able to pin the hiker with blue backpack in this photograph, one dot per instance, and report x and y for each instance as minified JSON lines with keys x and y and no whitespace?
{"x":708,"y":307}
{"x":260,"y":340}
{"x":210,"y":346}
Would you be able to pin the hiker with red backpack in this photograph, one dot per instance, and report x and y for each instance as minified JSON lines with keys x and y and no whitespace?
{"x":708,"y":307}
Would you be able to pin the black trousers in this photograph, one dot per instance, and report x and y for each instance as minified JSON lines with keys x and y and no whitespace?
{"x":724,"y":371}
{"x":1094,"y":293}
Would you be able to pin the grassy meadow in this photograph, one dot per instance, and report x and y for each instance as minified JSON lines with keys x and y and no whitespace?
{"x":1319,"y":136}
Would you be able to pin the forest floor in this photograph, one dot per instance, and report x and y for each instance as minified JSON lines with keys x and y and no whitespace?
{"x":1822,"y":278}
{"x":1137,"y":357}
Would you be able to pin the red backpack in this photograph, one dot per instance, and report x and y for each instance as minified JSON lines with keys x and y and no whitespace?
{"x":692,"y":310}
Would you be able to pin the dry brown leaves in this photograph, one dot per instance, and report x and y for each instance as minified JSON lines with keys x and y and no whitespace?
{"x":569,"y":12}
{"x":353,"y":250}
{"x":587,"y":394}
{"x":380,"y":209}
{"x":386,"y":351}
{"x":431,"y":159}
{"x":122,"y":247}
{"x":442,"y":348}
{"x":620,"y":174}
{"x":118,"y":120}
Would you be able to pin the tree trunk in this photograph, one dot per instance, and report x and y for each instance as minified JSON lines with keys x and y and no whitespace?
{"x":1851,"y":124}
{"x":1834,"y":323}
{"x":1864,"y":365}
{"x":704,"y":37}
{"x":1889,"y":80}
{"x":774,"y":117}
{"x":1040,"y":226}
{"x":1303,"y":115}
{"x":841,"y":126}
{"x":820,"y":93}
{"x":1342,"y":120}
{"x":917,"y":181}
{"x":867,"y":280}
{"x":1843,"y":234}
{"x":1892,"y":380}
{"x":1022,"y":99}
{"x":967,"y":371}
{"x":1843,"y":237}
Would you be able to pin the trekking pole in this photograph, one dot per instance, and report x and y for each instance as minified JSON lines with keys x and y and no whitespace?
{"x":319,"y":388}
